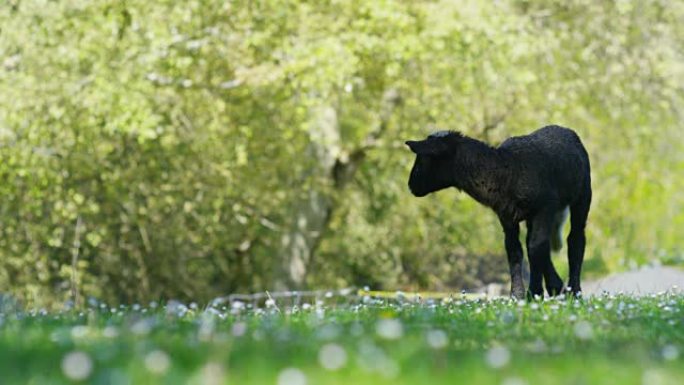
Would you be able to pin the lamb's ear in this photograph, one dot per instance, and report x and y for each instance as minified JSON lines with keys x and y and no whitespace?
{"x":430,"y":146}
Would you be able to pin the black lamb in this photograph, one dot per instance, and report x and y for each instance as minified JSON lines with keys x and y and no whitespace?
{"x":532,"y":178}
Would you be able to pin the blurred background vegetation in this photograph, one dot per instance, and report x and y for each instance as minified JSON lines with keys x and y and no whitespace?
{"x":163,"y":149}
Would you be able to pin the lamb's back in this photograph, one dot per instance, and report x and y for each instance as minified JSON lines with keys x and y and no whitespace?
{"x":552,"y":157}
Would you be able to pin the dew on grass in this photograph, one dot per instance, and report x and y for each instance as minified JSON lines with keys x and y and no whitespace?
{"x":212,"y":373}
{"x":328,"y":332}
{"x":92,"y":302}
{"x":356,"y":329}
{"x":238,"y":329}
{"x":215,"y":312}
{"x":142,"y":327}
{"x":206,"y":327}
{"x":332,"y":357}
{"x":654,"y":377}
{"x":176,"y":308}
{"x":508,"y":317}
{"x":372,"y":358}
{"x":670,"y":353}
{"x":437,"y":339}
{"x":513,"y":381}
{"x":291,"y":376}
{"x":583,"y":330}
{"x":537,"y":346}
{"x":258,"y":335}
{"x":498,"y":357}
{"x":388,"y":368}
{"x":113,"y":377}
{"x":157,"y":362}
{"x":110,"y":332}
{"x":390,"y":329}
{"x":79,"y":332}
{"x":367,"y":355}
{"x":77,"y":366}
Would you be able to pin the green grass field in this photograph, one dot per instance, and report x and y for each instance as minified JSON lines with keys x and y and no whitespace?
{"x":352,"y":340}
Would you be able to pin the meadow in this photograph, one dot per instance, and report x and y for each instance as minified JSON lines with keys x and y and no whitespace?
{"x":351,"y":339}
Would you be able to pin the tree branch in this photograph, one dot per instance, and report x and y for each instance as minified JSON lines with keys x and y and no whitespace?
{"x":346,"y":167}
{"x":490,"y":122}
{"x":75,"y":251}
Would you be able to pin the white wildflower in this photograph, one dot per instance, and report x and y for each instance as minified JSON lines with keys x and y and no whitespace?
{"x":77,"y":366}
{"x":291,"y":376}
{"x":157,"y":362}
{"x":390,"y":329}
{"x":583,"y":330}
{"x":498,"y":357}
{"x":437,"y":339}
{"x":332,"y":356}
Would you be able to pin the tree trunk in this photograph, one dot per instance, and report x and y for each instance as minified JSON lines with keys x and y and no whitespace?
{"x":313,"y":210}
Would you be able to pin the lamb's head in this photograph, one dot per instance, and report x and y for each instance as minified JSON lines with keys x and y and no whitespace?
{"x":434,"y":162}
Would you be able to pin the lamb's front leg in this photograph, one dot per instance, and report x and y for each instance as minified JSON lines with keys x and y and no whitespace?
{"x":515,"y":259}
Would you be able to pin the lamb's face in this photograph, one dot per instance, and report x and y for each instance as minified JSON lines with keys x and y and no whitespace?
{"x":420,"y":181}
{"x":429,"y":169}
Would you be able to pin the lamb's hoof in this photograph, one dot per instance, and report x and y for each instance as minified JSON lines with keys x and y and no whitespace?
{"x":572,"y":292}
{"x":555,"y":289}
{"x":535,"y":295}
{"x":518,"y":294}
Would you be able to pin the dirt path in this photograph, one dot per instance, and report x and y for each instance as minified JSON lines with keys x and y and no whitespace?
{"x":646,"y":280}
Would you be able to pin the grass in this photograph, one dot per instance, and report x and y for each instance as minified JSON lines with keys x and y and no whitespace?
{"x":353,"y":340}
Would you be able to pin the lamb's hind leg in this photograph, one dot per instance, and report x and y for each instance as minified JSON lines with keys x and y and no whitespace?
{"x":539,"y":249}
{"x":552,"y":281}
{"x":577,"y":241}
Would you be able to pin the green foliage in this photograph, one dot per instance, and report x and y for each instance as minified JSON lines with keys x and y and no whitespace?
{"x":162,"y":149}
{"x":350,"y":340}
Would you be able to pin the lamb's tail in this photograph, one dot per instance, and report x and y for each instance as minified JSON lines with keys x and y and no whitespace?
{"x":557,"y":229}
